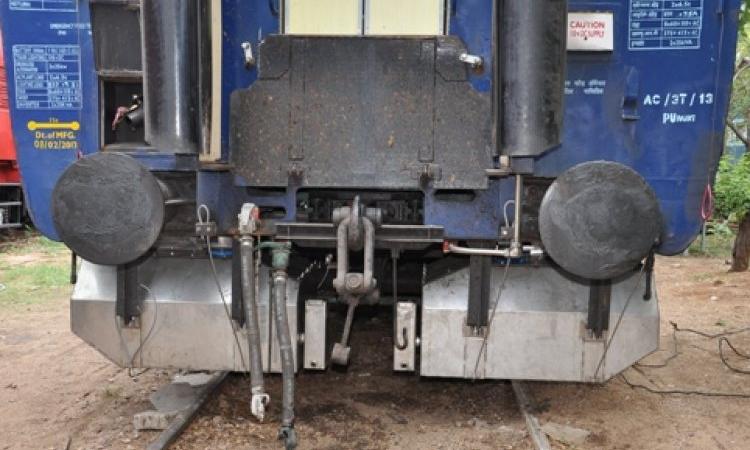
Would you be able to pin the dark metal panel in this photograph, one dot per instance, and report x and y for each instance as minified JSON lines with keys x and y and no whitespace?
{"x":463,"y":136}
{"x":128,"y":298}
{"x":600,"y":296}
{"x":297,"y":100}
{"x":362,"y":112}
{"x":117,"y":35}
{"x":479,"y":291}
{"x":265,"y":120}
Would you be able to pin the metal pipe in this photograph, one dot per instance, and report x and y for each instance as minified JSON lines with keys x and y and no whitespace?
{"x":503,"y":252}
{"x":348,"y":323}
{"x":368,"y":276}
{"x":73,"y":268}
{"x":259,"y":396}
{"x":286,"y":432}
{"x":530,"y":44}
{"x":515,"y":245}
{"x":135,"y":117}
{"x":169,"y":32}
{"x":342,"y":255}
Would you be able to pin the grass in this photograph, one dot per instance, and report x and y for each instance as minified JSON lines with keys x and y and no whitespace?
{"x":33,"y":281}
{"x":717,"y":245}
{"x":27,"y":241}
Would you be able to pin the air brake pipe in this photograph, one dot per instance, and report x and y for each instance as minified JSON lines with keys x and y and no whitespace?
{"x":280,"y":262}
{"x":259,"y":396}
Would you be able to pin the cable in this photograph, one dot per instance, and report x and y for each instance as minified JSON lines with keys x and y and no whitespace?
{"x":665,"y":363}
{"x":148,"y":334}
{"x":204,"y":208}
{"x":226,"y":306}
{"x":483,"y":348}
{"x":617,"y":324}
{"x":153,"y":323}
{"x":682,"y":391}
{"x":724,"y":340}
{"x":709,"y":335}
{"x":505,"y":212}
{"x":143,"y":341}
{"x":324,"y":277}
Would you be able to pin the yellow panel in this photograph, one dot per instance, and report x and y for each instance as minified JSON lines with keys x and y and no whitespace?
{"x":326,"y":17}
{"x":404,"y":17}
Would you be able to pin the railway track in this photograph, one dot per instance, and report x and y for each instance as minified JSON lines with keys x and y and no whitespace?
{"x":180,"y":423}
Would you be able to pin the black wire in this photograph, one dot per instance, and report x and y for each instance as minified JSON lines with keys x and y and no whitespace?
{"x":724,"y":340}
{"x":153,"y":324}
{"x":665,"y":363}
{"x":608,"y":343}
{"x":232,"y":323}
{"x":709,"y":335}
{"x":483,"y":348}
{"x":682,"y":391}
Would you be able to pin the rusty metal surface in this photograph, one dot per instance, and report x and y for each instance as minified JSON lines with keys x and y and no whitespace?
{"x":362,"y":112}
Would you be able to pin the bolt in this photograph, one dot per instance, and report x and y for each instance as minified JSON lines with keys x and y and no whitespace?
{"x":353,"y":281}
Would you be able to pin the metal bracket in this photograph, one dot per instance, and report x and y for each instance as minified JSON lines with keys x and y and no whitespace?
{"x":474,"y":61}
{"x":405,"y":345}
{"x":479,"y":291}
{"x":316,"y":312}
{"x":600,"y":295}
{"x":248,"y":54}
{"x":128,"y":299}
{"x":427,"y":172}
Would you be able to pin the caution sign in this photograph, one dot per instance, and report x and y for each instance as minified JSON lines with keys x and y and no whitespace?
{"x":54,"y":134}
{"x":591,"y":31}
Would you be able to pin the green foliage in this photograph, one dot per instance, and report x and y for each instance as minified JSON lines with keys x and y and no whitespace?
{"x":717,"y":244}
{"x":740,"y":104}
{"x":745,"y":18}
{"x":733,"y":180}
{"x":733,"y":187}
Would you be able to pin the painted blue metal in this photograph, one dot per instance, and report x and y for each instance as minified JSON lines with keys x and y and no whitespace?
{"x":471,"y":20}
{"x":657,"y":105}
{"x":45,"y":87}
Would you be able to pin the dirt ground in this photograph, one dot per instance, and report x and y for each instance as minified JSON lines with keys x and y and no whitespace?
{"x":56,"y":391}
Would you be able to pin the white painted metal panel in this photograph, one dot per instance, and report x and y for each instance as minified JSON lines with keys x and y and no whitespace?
{"x":400,"y":18}
{"x":323,"y":17}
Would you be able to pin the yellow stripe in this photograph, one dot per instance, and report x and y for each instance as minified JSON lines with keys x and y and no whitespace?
{"x":33,"y":125}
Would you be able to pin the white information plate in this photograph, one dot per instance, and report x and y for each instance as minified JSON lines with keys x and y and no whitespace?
{"x":591,"y":31}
